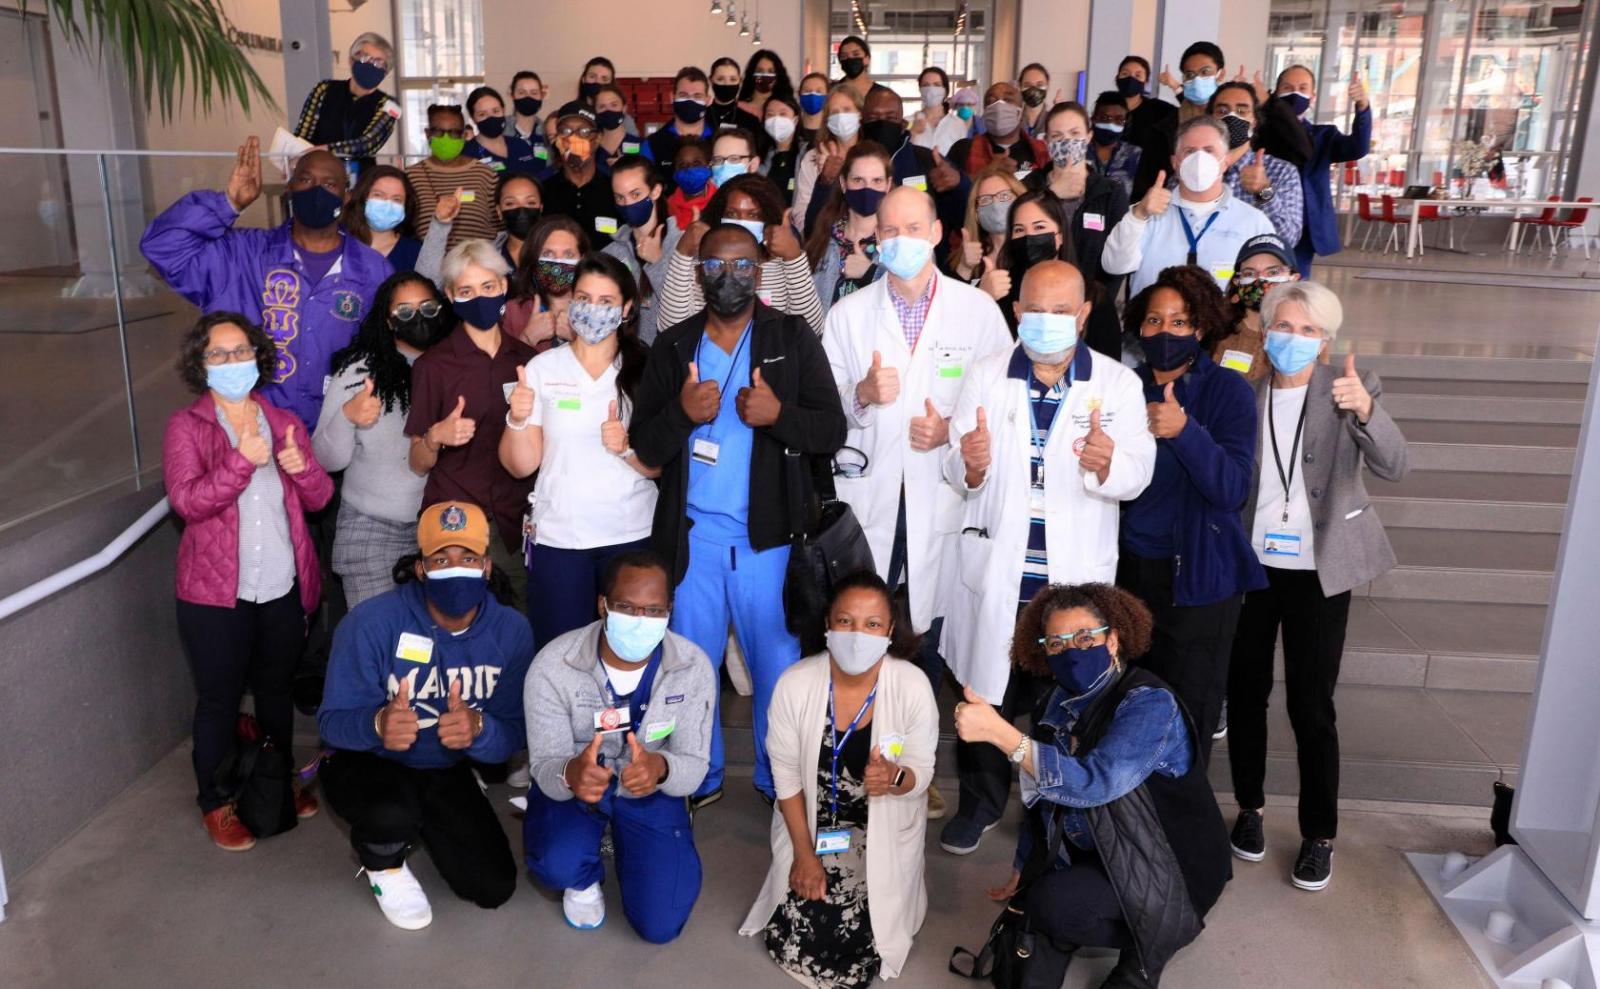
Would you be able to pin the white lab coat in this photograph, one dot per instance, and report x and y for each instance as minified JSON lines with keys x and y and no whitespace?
{"x":963,"y":326}
{"x":1081,"y":514}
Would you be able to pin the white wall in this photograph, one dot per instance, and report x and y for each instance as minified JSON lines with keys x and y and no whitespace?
{"x":1244,"y":35}
{"x":1055,"y":33}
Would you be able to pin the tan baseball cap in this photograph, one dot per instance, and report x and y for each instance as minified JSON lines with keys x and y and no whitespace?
{"x":453,"y":523}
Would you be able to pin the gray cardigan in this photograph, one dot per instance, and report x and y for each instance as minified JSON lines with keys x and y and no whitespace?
{"x":622,"y":248}
{"x":565,"y":687}
{"x":378,"y":480}
{"x":1350,"y":545}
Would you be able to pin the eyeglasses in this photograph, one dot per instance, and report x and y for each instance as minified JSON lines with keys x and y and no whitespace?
{"x":715,"y":266}
{"x":1269,"y":274}
{"x":1083,"y":638}
{"x":243,"y":352}
{"x":731,"y":160}
{"x":1207,"y":72}
{"x":588,"y":132}
{"x":377,"y":60}
{"x":405,"y":312}
{"x":446,"y":131}
{"x":1003,"y":198}
{"x":638,"y":611}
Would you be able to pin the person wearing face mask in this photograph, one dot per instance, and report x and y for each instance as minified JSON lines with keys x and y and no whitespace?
{"x":353,"y":118}
{"x":306,"y":282}
{"x":541,"y":284}
{"x":1034,"y":83}
{"x":1151,"y":122}
{"x":781,"y":126}
{"x":691,"y":181}
{"x":1203,"y":225}
{"x":855,"y":63}
{"x":493,"y":144}
{"x":937,"y":126}
{"x":1123,"y":845}
{"x":1263,"y":263}
{"x":380,"y":215}
{"x":1204,"y":420}
{"x":691,"y":93}
{"x":988,"y":223}
{"x":619,"y":713}
{"x":736,"y":409}
{"x":447,"y":173}
{"x":240,"y":472}
{"x":812,"y":96}
{"x":899,"y":351}
{"x":1004,"y":135}
{"x":853,"y":734}
{"x":1038,"y":224}
{"x":648,"y":238}
{"x":527,"y":99}
{"x":610,"y":120}
{"x":578,"y":190}
{"x":1312,"y":527}
{"x":519,"y":203}
{"x":567,"y":420}
{"x":725,"y":113}
{"x":1297,"y":91}
{"x":1117,"y":157}
{"x":597,"y":72}
{"x":734,"y":152}
{"x":1036,"y":510}
{"x":843,"y":246}
{"x":820,"y":167}
{"x":1267,"y":182}
{"x":362,"y":432}
{"x":459,"y":390}
{"x":764,"y":78}
{"x":425,"y":680}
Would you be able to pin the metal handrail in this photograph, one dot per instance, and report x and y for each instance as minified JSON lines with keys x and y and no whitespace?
{"x":63,"y":579}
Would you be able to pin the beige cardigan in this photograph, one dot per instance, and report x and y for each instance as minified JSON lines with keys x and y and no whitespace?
{"x":897,"y":898}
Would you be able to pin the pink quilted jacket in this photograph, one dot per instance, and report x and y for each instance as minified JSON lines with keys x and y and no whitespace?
{"x":205,"y":476}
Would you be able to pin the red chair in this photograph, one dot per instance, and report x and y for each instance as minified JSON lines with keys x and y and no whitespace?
{"x":1395,"y":222}
{"x":1397,"y":178}
{"x":1429,"y":213}
{"x":1364,"y":215}
{"x":1573,"y":220}
{"x":1438,"y":179}
{"x":1545,"y":219}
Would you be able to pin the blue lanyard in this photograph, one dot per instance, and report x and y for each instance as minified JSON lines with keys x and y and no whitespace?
{"x":1194,"y":240}
{"x":639,"y":700}
{"x":839,"y":743}
{"x":1033,"y":416}
{"x":733,"y":364}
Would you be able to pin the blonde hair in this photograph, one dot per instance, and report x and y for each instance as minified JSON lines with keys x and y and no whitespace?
{"x":471,"y":254}
{"x":1001,"y":168}
{"x":377,"y":41}
{"x":1320,"y":302}
{"x":847,"y":91}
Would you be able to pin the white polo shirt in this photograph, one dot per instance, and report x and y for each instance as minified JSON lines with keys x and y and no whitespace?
{"x":586,"y":496}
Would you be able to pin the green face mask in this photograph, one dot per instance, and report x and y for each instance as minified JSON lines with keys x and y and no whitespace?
{"x":446,"y":148}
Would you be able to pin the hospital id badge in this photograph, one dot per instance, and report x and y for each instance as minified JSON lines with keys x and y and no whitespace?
{"x":705,"y":451}
{"x":612,"y":719}
{"x":1036,"y":499}
{"x":832,"y":841}
{"x":1282,"y":542}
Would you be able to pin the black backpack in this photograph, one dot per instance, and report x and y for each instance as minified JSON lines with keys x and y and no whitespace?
{"x":259,"y":778}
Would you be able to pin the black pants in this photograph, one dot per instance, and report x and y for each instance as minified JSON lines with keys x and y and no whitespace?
{"x":389,"y":807}
{"x":1190,"y":646}
{"x":985,"y":771}
{"x":249,"y":645}
{"x":1313,"y":643}
{"x":323,"y":526}
{"x":1075,"y":905}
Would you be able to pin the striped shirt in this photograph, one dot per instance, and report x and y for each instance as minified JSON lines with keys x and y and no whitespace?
{"x":266,"y":552}
{"x":914,"y":314}
{"x":477,"y":220}
{"x":1035,"y":562}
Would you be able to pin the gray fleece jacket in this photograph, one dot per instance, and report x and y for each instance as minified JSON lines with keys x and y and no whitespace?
{"x":566,"y":687}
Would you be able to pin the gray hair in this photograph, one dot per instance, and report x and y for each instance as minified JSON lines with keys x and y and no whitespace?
{"x":377,"y":41}
{"x":471,"y":254}
{"x":1319,"y":301}
{"x":1203,"y":120}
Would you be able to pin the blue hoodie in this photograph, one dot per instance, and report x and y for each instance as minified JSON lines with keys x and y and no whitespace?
{"x":490,"y":658}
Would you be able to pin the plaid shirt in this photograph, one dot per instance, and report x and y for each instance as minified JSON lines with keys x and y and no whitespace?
{"x":913,"y":314}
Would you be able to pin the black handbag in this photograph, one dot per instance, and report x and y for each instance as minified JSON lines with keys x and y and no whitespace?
{"x":828,"y":545}
{"x":259,"y":779}
{"x":1015,"y":956}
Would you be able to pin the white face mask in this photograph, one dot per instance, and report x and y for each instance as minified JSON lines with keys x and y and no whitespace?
{"x":856,"y":652}
{"x":1199,"y":172}
{"x":844,"y":125}
{"x":780,"y":128}
{"x":932,"y":96}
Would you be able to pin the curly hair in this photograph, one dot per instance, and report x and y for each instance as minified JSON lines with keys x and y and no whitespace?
{"x":757,"y":187}
{"x":1208,"y":308}
{"x":1113,"y":606}
{"x":192,"y":348}
{"x":781,"y":86}
{"x":354,"y":216}
{"x":374,"y":347}
{"x":904,"y":641}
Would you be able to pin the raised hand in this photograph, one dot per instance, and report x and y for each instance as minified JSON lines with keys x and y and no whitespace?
{"x":397,"y":722}
{"x":1169,"y":80}
{"x":689,"y":243}
{"x":644,"y":768}
{"x":1358,"y":90}
{"x":364,"y":408}
{"x":1098,"y":447}
{"x":1167,"y":417}
{"x":252,"y":444}
{"x":857,"y":263}
{"x":1156,"y":199}
{"x":1349,"y":394}
{"x":613,"y":434}
{"x":586,"y":778}
{"x":455,"y":429}
{"x":976,"y":718}
{"x":522,"y":396}
{"x":757,"y":405}
{"x":830,"y":160}
{"x":996,"y":282}
{"x":648,"y":246}
{"x":971,"y":254}
{"x":975,"y":450}
{"x":881,"y":386}
{"x":459,"y":724}
{"x":291,"y":459}
{"x":1253,"y":176}
{"x":244,"y":185}
{"x":879,"y":778}
{"x":700,"y":399}
{"x":781,"y":240}
{"x":930,"y":431}
{"x":448,"y":207}
{"x":1259,"y":84}
{"x":943,"y":176}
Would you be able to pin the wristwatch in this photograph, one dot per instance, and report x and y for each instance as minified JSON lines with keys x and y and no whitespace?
{"x":899,"y":778}
{"x":1020,"y":753}
{"x":1265,"y":195}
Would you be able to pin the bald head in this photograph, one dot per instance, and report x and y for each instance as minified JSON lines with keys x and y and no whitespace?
{"x":1053,"y":287}
{"x":315,"y":168}
{"x":903,"y":205}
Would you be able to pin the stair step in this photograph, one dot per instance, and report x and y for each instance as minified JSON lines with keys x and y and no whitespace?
{"x":1474,"y":516}
{"x":1474,"y":486}
{"x":1492,"y":458}
{"x":1455,"y":548}
{"x":1462,"y":584}
{"x":1536,"y":434}
{"x":1487,"y":369}
{"x":1496,"y":388}
{"x":1481,"y":408}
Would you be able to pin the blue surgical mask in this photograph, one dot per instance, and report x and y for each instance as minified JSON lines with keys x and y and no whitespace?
{"x":232,"y":381}
{"x":482,"y":312}
{"x":965,"y":111}
{"x":1298,"y":103}
{"x":455,"y":591}
{"x":757,"y":229}
{"x":315,"y":207}
{"x":1200,"y":89}
{"x":1047,"y":335}
{"x":1081,"y":671}
{"x":692,"y":180}
{"x":905,"y":256}
{"x":813,"y":102}
{"x":1290,"y":353}
{"x":594,"y":321}
{"x":384,"y":214}
{"x":634,"y":637}
{"x":639,"y":213}
{"x":725,"y":171}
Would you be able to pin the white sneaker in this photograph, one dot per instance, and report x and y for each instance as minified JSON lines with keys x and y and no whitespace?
{"x":585,"y":908}
{"x":401,"y":897}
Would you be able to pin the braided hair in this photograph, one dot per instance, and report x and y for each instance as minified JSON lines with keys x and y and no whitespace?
{"x":374,"y":343}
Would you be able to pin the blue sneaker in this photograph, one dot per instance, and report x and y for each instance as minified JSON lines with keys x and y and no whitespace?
{"x":960,"y":835}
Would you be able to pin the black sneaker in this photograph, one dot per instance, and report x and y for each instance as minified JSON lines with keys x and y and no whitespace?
{"x":1249,"y":841}
{"x":1314,"y":867}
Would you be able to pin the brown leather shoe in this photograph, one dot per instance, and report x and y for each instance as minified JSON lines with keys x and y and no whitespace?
{"x":227,"y":831}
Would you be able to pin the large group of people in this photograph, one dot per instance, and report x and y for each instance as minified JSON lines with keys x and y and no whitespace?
{"x":553,"y":408}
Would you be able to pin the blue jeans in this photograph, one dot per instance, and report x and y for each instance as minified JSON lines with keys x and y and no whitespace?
{"x":657,"y":864}
{"x":737,"y":582}
{"x":564,"y":584}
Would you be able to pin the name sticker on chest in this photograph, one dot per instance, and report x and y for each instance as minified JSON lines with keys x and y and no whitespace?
{"x":1094,"y":221}
{"x":1237,"y":360}
{"x":414,"y":648}
{"x":916,"y":182}
{"x":659,"y":730}
{"x":606,"y":224}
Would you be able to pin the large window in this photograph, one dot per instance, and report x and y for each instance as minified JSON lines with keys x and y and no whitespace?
{"x":907,"y":36}
{"x":441,"y":60}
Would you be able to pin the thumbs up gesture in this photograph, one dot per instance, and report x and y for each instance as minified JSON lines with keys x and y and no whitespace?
{"x":879,"y":779}
{"x":291,"y":460}
{"x":1167,"y":417}
{"x":975,"y":450}
{"x":931,"y":430}
{"x":700,"y":399}
{"x":757,"y":405}
{"x":1253,"y":176}
{"x":448,"y":206}
{"x":971,"y":256}
{"x":454,"y":429}
{"x":996,"y":282}
{"x":1349,"y":394}
{"x":613,"y":434}
{"x":521,"y":401}
{"x":363,"y":409}
{"x":943,"y":177}
{"x":976,"y":718}
{"x":252,"y":444}
{"x":1358,"y":91}
{"x":781,"y":240}
{"x":1097,"y":449}
{"x":644,"y":769}
{"x":586,"y":778}
{"x":1169,"y":80}
{"x":459,"y":725}
{"x":881,"y":386}
{"x":397,"y":722}
{"x":1156,"y":199}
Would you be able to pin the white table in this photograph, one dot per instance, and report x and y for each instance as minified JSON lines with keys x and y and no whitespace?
{"x":1414,"y":227}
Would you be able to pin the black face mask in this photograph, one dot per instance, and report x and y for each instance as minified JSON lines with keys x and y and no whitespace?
{"x":492,"y":126}
{"x":527,"y":105}
{"x":421,"y":332}
{"x":608,"y":119}
{"x":587,"y":91}
{"x":1238,"y":130}
{"x":852,"y":67}
{"x":1029,"y":251}
{"x":730,"y":292}
{"x":889,"y":133}
{"x":520,"y":221}
{"x":1033,"y":96}
{"x":724,"y":92}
